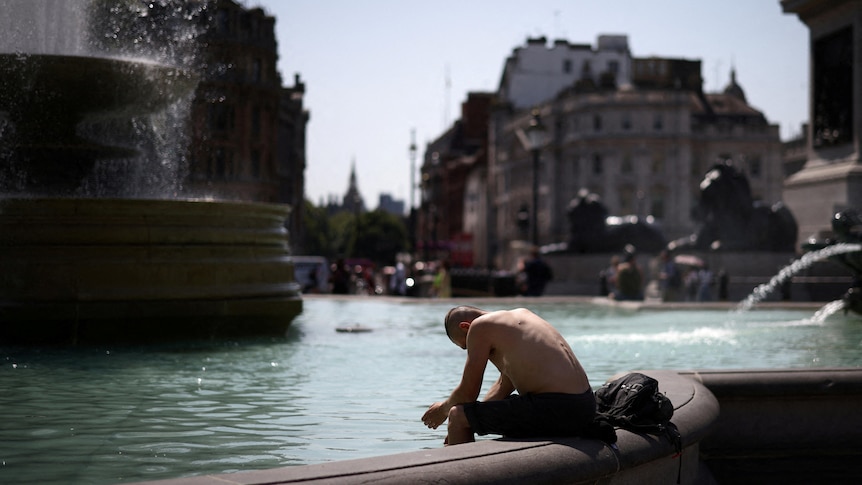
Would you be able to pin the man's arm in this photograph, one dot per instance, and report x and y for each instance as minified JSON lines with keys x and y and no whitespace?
{"x":478,"y":351}
{"x":500,"y":390}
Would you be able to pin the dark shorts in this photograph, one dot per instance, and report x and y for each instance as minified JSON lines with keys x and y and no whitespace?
{"x":533,"y":415}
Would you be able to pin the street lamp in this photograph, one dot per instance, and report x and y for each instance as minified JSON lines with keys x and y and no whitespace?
{"x":533,"y":139}
{"x":412,"y":167}
{"x":412,"y":214}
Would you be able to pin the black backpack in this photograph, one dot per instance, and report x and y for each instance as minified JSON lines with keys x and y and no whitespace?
{"x":633,"y":402}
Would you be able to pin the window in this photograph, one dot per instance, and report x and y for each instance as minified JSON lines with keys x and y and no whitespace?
{"x":597,"y":164}
{"x":221,"y":117}
{"x":597,"y":123}
{"x":217,"y":169}
{"x":658,"y":122}
{"x":255,"y":122}
{"x":223,"y":21}
{"x":614,"y":67}
{"x":755,"y":167}
{"x":626,"y":166}
{"x":626,"y":122}
{"x":657,"y":163}
{"x":567,"y":66}
{"x":256,"y":71}
{"x":255,"y":164}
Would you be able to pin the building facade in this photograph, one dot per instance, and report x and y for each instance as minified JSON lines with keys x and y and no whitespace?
{"x":638,"y":132}
{"x":447,"y":213}
{"x":536,"y":72}
{"x":642,"y":148}
{"x":248,"y":131}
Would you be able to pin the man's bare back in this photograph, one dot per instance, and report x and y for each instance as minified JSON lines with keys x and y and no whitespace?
{"x":530,"y":352}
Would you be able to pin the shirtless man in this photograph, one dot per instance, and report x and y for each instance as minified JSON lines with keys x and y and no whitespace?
{"x":554,"y":396}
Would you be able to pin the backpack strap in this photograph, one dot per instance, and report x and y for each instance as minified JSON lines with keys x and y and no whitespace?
{"x":671,"y":432}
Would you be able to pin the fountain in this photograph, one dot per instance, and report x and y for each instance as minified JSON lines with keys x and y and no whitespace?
{"x":845,"y":249}
{"x":95,"y":245}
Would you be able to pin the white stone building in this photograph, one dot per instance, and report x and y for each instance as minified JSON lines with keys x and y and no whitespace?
{"x":536,"y":72}
{"x":640,"y":133}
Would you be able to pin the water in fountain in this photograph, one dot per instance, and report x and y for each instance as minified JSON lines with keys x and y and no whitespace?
{"x":120,"y":154}
{"x":113,"y":414}
{"x":764,"y":290}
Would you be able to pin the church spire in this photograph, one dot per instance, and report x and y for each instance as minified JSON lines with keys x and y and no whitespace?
{"x":353,"y":199}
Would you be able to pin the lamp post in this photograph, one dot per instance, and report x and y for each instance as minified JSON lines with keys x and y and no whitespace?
{"x":412,"y":214}
{"x":535,"y":139}
{"x":412,"y":150}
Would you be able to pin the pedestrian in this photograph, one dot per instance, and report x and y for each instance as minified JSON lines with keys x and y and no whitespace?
{"x":340,"y":278}
{"x":608,"y":276}
{"x":441,"y":287}
{"x":538,"y":274}
{"x":723,"y":283}
{"x":398,"y":280}
{"x":691,"y":284}
{"x":705,"y":282}
{"x":629,"y":279}
{"x":670,"y":279}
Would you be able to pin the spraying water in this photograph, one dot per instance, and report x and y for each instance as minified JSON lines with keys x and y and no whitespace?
{"x":148,"y":149}
{"x":43,"y":27}
{"x":762,"y":291}
{"x":826,"y":311}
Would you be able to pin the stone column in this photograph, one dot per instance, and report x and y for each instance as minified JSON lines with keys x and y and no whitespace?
{"x":831,"y":179}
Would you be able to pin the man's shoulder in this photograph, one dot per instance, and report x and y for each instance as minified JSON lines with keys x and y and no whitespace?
{"x":500,"y":317}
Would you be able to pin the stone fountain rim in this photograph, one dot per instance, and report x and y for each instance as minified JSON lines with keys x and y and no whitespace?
{"x":202,"y":203}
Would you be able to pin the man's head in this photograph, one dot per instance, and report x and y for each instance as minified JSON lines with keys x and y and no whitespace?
{"x":455,"y":317}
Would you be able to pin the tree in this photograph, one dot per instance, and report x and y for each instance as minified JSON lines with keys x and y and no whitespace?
{"x":317,"y":233}
{"x":377,"y":235}
{"x":381,"y":236}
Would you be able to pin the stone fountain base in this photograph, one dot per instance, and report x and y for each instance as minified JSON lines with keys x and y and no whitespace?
{"x":129,"y":271}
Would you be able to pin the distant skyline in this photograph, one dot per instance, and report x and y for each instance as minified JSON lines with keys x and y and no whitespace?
{"x":379,"y":69}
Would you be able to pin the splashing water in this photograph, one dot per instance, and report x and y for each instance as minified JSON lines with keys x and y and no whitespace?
{"x":165,"y":32}
{"x":828,"y":309}
{"x":762,"y":291}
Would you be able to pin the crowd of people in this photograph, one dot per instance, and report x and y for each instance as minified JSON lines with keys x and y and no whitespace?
{"x":667,"y":278}
{"x":691,"y":281}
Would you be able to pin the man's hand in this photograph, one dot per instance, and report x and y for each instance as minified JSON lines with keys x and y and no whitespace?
{"x":435,"y":415}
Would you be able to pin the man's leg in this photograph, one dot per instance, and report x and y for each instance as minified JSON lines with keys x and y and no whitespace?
{"x":459,"y":427}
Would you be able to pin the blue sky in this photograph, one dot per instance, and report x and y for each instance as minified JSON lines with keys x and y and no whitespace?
{"x":377,"y":69}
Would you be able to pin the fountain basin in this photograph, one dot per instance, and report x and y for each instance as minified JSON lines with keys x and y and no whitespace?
{"x":131,"y":270}
{"x":40,"y":87}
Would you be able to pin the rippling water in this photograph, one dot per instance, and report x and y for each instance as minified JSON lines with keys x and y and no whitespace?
{"x":109,"y":415}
